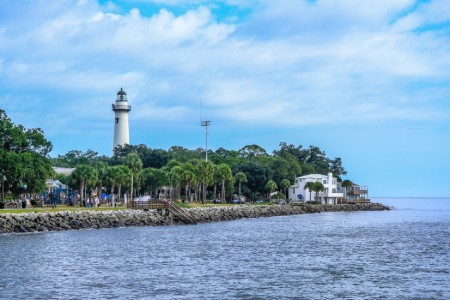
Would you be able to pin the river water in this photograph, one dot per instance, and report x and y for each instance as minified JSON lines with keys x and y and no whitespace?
{"x":398,"y":254}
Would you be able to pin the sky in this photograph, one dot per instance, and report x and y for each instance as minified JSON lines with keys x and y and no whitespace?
{"x":367,"y":81}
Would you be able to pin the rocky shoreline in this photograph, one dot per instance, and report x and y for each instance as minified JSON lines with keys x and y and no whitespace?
{"x":69,"y":220}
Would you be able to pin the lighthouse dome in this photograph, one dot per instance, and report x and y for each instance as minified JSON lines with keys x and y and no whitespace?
{"x":121,"y":95}
{"x":121,"y":92}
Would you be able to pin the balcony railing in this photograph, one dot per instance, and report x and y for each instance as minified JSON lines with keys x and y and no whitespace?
{"x":121,"y":107}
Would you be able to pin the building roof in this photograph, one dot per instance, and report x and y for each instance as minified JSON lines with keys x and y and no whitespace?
{"x":313,"y":176}
{"x":64,"y":171}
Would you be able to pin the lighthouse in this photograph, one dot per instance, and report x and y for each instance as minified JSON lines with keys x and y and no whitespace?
{"x":121,"y":109}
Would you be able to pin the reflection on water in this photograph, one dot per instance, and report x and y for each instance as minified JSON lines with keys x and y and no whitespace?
{"x":399,"y":254}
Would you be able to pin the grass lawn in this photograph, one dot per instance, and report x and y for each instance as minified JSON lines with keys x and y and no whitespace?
{"x":58,"y":208}
{"x":104,"y":208}
{"x":209,"y":204}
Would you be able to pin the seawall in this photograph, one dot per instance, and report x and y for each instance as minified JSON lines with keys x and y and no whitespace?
{"x":66,"y":220}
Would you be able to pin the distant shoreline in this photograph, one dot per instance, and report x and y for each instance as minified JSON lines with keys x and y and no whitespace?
{"x":75,"y":220}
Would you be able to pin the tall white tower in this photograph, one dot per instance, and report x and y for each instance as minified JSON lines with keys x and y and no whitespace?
{"x":121,"y":109}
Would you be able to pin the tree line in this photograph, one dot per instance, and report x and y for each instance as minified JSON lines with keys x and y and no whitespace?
{"x":250,"y":171}
{"x":137,"y":169}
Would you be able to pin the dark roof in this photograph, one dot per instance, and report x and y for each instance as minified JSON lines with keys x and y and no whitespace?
{"x":121,"y":92}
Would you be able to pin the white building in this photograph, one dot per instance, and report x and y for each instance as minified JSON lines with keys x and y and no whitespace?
{"x":64,"y":171}
{"x":329,"y":195}
{"x":121,"y":110}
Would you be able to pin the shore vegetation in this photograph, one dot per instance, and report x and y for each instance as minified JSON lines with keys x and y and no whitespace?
{"x":250,"y":174}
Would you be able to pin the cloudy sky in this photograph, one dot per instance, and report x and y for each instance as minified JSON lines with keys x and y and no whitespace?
{"x":367,"y":81}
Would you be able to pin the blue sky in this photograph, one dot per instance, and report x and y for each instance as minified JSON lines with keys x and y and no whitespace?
{"x":367,"y":81}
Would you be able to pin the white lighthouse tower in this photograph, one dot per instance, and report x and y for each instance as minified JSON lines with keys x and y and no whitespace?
{"x":121,"y":109}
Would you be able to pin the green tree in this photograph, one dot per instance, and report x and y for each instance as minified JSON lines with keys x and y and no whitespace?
{"x":205,"y":174}
{"x":336,"y":168}
{"x":317,"y":187}
{"x":285,"y":168}
{"x":346,"y":184}
{"x":84,"y":174}
{"x":23,"y":157}
{"x":271,"y":187}
{"x":102,"y":170}
{"x":225,"y":174}
{"x":176,"y":179}
{"x":134,"y":164}
{"x":240,"y":177}
{"x":309,"y":186}
{"x":258,"y":173}
{"x":154,"y":179}
{"x":188,"y":178}
{"x":252,"y":151}
{"x":122,"y":178}
{"x":284,"y":185}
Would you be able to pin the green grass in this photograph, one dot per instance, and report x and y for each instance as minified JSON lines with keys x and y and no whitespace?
{"x":104,"y":208}
{"x":58,"y":208}
{"x":209,"y":204}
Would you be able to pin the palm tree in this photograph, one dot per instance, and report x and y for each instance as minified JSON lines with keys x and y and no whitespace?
{"x":224,"y":172}
{"x":188,"y":177}
{"x":122,"y":177}
{"x":205,"y":173}
{"x":309,"y":186}
{"x":216,"y":178}
{"x":271,"y":186}
{"x":176,"y":179}
{"x":134,"y":163}
{"x":102,"y":169}
{"x":318,"y":187}
{"x":84,"y":174}
{"x":113,"y":177}
{"x":241,"y":178}
{"x":285,"y":184}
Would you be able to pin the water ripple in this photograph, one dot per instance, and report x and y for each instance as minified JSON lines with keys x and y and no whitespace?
{"x":378,"y":255}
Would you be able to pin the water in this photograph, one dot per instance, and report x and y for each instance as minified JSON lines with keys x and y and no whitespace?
{"x":399,"y":254}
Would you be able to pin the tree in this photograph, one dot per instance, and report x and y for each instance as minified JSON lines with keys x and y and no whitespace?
{"x":224,"y":172}
{"x":336,"y":167}
{"x":84,"y":174}
{"x":134,"y":163}
{"x":271,"y":187}
{"x":153,"y":179}
{"x":176,"y":179}
{"x":285,"y":184}
{"x":188,"y":177}
{"x":317,"y":187}
{"x":251,"y":151}
{"x":122,"y":178}
{"x":345,"y":184}
{"x":205,"y":174}
{"x":23,"y":157}
{"x":258,"y":173}
{"x":309,"y":186}
{"x":240,"y":177}
{"x":102,"y":169}
{"x":74,"y":158}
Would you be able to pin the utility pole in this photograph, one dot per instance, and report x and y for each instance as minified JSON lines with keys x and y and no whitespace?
{"x":206,"y":124}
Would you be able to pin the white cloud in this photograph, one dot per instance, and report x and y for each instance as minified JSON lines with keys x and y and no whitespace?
{"x":292,"y":62}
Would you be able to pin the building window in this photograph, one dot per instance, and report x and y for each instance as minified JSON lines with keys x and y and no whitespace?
{"x":117,"y":120}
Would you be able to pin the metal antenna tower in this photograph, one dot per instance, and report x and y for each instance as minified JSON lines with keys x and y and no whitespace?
{"x":206,"y":124}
